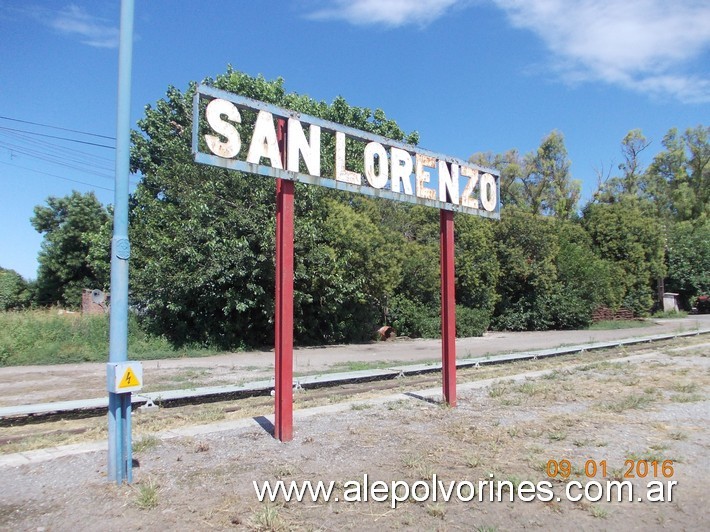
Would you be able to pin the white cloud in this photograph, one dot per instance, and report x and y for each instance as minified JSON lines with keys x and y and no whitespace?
{"x":642,"y":45}
{"x":93,"y":31}
{"x":647,"y":46}
{"x":388,"y":12}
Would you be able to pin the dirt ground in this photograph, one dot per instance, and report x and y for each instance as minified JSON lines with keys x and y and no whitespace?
{"x":648,"y":406}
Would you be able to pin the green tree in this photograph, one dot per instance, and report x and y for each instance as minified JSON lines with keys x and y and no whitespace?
{"x":203,"y":237}
{"x":678,"y":180}
{"x":67,"y":224}
{"x":583,"y":276}
{"x":15,"y":292}
{"x":633,"y":182}
{"x":688,"y":259}
{"x":548,"y":183}
{"x":511,"y":166}
{"x":539,"y":182}
{"x":625,"y":234}
{"x":527,"y":248}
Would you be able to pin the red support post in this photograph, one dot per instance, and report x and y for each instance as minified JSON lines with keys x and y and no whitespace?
{"x":283,"y":418}
{"x":448,"y":306}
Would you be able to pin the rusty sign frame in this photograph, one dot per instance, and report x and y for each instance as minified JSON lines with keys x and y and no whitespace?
{"x":242,"y":102}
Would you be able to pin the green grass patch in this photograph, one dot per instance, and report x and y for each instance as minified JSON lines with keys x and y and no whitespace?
{"x":47,"y":337}
{"x":147,"y":495}
{"x":630,"y":402}
{"x":671,"y":314}
{"x":618,"y":324}
{"x":361,"y":366}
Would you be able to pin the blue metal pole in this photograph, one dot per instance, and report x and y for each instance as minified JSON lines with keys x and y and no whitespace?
{"x":119,"y":423}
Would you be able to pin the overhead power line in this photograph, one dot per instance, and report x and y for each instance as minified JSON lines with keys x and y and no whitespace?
{"x":57,"y":176}
{"x":56,"y":137}
{"x":57,"y":127}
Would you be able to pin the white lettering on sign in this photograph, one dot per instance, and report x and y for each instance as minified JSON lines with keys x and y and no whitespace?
{"x":390,"y":168}
{"x":423,"y":176}
{"x":214,"y":112}
{"x":341,"y":174}
{"x":264,"y":142}
{"x":297,"y":144}
{"x":467,"y":198}
{"x":449,"y":182}
{"x":401,"y":170}
{"x":376,"y":153}
{"x":489,"y":192}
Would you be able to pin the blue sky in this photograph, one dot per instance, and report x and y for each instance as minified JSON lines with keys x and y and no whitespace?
{"x":469,"y":75}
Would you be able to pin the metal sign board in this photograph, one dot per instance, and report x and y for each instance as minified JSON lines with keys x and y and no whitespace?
{"x":123,"y":377}
{"x":392,"y":169}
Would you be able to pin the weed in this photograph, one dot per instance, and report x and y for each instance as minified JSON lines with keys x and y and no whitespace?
{"x":496,"y":390}
{"x":146,"y":443}
{"x":202,"y":447}
{"x":473,"y":461}
{"x":209,"y":414}
{"x":557,"y":435}
{"x":648,"y":456}
{"x":629,"y":402}
{"x":582,"y":443}
{"x":420,"y":465}
{"x":690,"y":387}
{"x":147,"y":496}
{"x":267,"y":518}
{"x":515,"y":480}
{"x":687,"y":398}
{"x":436,"y":510}
{"x":678,"y":436}
{"x":512,"y":401}
{"x":284,"y":470}
{"x":396,"y":405}
{"x":616,"y":474}
{"x":598,"y":511}
{"x":530,"y":388}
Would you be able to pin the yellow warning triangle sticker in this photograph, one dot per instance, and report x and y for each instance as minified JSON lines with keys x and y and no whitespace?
{"x":129,"y":380}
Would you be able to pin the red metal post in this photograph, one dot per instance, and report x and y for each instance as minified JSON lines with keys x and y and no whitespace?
{"x":448,"y":307}
{"x":283,"y":418}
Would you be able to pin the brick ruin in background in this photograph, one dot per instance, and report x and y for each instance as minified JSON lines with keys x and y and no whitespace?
{"x":94,"y":302}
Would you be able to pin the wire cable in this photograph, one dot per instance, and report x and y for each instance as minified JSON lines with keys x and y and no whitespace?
{"x":57,"y":176}
{"x":57,"y":137}
{"x":57,"y":127}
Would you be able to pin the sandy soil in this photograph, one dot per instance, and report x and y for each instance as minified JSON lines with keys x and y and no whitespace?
{"x":653,"y":407}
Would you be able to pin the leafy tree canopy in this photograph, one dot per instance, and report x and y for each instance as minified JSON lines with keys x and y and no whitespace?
{"x":15,"y":292}
{"x":67,"y":225}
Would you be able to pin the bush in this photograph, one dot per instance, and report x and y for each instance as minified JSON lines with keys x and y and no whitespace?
{"x":555,"y":310}
{"x":565,"y":311}
{"x":15,"y":292}
{"x":413,"y":319}
{"x":471,"y":321}
{"x":515,"y":318}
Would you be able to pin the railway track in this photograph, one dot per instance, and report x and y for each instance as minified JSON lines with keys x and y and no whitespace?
{"x":41,"y":426}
